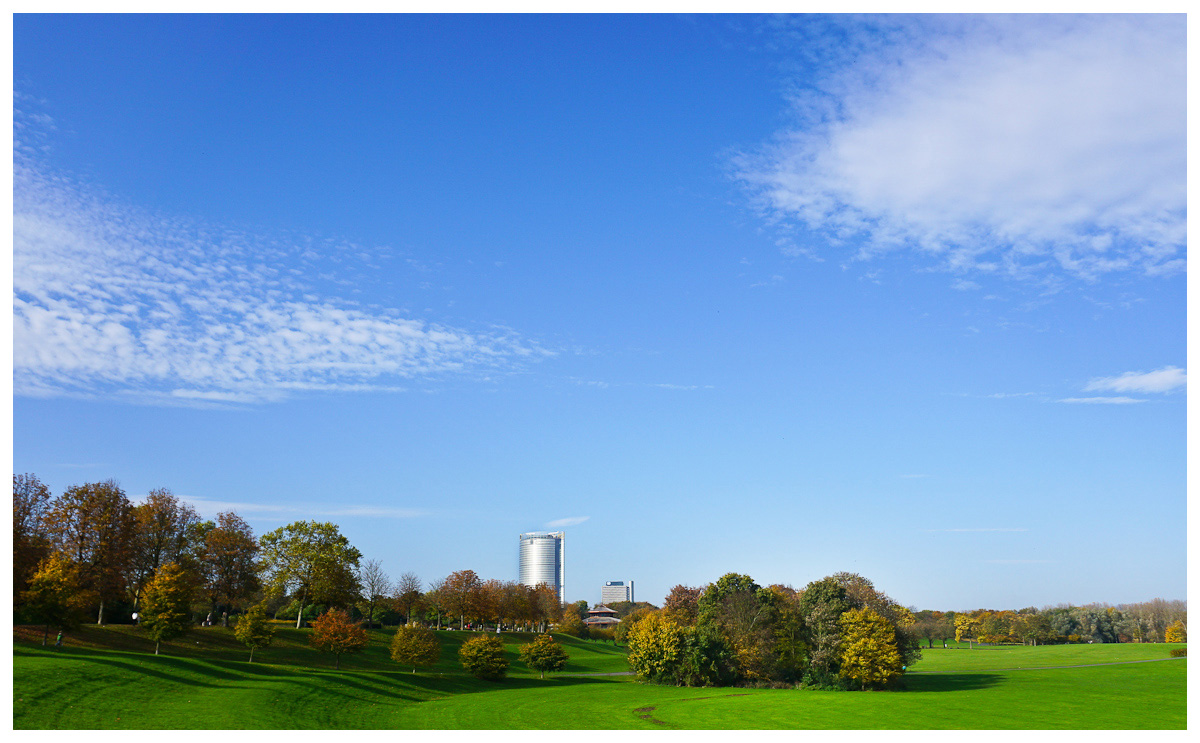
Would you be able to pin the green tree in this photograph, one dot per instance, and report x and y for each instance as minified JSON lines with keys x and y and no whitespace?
{"x":868,"y":648}
{"x":313,"y":561}
{"x":483,"y":657}
{"x":254,"y":630}
{"x":822,"y":604}
{"x":334,"y":632}
{"x":53,"y":597}
{"x":166,"y":604}
{"x":416,"y":646}
{"x":544,"y":654}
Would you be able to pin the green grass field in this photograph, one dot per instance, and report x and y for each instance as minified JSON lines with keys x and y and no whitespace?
{"x":108,"y":678}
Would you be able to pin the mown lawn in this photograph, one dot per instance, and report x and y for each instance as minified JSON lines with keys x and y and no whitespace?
{"x":89,"y":686}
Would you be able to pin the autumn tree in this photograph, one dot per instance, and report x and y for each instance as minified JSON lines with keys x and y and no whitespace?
{"x":868,"y":649}
{"x":334,"y":632}
{"x":459,"y":594}
{"x":53,"y":597}
{"x":545,"y":605}
{"x":166,"y":604}
{"x":229,"y":563}
{"x":254,"y":630}
{"x":483,"y":657}
{"x":656,"y":648}
{"x":313,"y":561}
{"x":407,"y":595}
{"x":965,"y":628}
{"x":544,"y":654}
{"x":416,"y":646}
{"x":1176,"y":632}
{"x":682,"y":603}
{"x":375,"y":585}
{"x":163,"y":527}
{"x":93,"y":525}
{"x":31,"y":542}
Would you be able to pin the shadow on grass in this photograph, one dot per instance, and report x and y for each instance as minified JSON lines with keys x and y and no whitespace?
{"x":942,"y":682}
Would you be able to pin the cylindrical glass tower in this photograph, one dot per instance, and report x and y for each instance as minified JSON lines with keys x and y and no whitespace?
{"x":541,"y":560}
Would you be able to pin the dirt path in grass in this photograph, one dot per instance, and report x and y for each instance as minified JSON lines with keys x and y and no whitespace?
{"x":1038,"y":668}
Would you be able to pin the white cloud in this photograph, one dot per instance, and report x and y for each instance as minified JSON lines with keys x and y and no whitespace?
{"x":1101,"y":400}
{"x":1167,"y":379}
{"x":110,"y":301}
{"x":571,"y":521}
{"x":1025,"y":145}
{"x":974,"y":529}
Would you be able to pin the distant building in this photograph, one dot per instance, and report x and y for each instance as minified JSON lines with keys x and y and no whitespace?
{"x":601,"y":617}
{"x":616,"y":590}
{"x":541,"y":560}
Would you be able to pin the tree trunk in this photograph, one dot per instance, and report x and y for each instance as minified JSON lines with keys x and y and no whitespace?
{"x":156,"y":648}
{"x":337,"y":661}
{"x":300,"y":613}
{"x":251,"y":655}
{"x":100,"y":615}
{"x":46,"y":636}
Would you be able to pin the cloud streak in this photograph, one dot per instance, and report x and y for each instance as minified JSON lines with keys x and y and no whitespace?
{"x":110,"y":301}
{"x":1167,"y":379}
{"x":1101,"y":400}
{"x":570,"y":521}
{"x":1026,"y":146}
{"x":208,"y":507}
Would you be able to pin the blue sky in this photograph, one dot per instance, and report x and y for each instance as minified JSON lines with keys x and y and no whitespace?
{"x":777,"y":295}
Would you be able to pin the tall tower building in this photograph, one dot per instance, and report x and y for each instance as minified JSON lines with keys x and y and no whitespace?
{"x":541,"y":560}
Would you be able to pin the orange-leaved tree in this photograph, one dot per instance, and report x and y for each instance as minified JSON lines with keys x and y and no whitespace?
{"x":334,"y":632}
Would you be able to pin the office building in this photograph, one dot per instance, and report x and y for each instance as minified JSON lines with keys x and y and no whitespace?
{"x":541,"y":560}
{"x":616,"y":590}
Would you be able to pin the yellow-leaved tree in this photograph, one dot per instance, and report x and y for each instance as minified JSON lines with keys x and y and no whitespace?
{"x":869,"y":653}
{"x":1177,"y":632}
{"x":416,"y":646}
{"x":655,"y":647}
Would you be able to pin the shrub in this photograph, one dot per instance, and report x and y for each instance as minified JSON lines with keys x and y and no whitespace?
{"x":1178,"y":652}
{"x":416,"y":646}
{"x":604,"y":635}
{"x":1177,"y":632}
{"x":483,"y":657}
{"x":544,"y":654}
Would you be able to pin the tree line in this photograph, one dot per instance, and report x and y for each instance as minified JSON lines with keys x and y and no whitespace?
{"x":91,"y":550}
{"x":1157,"y":620}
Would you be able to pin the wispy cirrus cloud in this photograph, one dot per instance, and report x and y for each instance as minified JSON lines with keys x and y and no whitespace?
{"x":111,"y":301}
{"x":209,"y":508}
{"x":1101,"y":400}
{"x":1028,"y":146}
{"x":570,"y":521}
{"x":1167,"y":379}
{"x":975,"y":529}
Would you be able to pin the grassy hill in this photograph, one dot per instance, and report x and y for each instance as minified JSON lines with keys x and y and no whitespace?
{"x":108,"y":678}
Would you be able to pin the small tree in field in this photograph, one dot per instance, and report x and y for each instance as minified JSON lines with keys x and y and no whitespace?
{"x":416,"y":646}
{"x":544,"y":654}
{"x":254,"y":630}
{"x":1177,"y":632}
{"x":333,"y":632}
{"x":166,"y":604}
{"x":483,"y":657}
